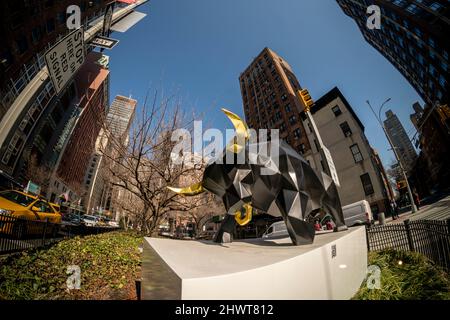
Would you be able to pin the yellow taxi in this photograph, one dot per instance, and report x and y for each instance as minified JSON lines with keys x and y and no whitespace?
{"x":16,"y":207}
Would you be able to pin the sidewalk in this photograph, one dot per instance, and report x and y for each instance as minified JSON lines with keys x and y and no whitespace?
{"x":405,"y":215}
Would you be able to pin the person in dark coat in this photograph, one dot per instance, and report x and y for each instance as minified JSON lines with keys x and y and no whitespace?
{"x":416,"y":199}
{"x":394,"y":209}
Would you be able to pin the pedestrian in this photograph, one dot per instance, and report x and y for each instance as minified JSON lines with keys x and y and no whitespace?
{"x":416,"y":199}
{"x":329,"y":225}
{"x":317,"y":226}
{"x":394,"y":210}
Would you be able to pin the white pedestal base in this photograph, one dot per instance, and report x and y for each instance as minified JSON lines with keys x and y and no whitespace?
{"x":331,"y":268}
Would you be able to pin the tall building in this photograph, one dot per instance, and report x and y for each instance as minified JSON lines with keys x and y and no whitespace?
{"x":120,"y":115}
{"x":268,"y":88}
{"x":97,"y":180}
{"x":35,"y":123}
{"x":432,"y":169}
{"x":27,"y":30}
{"x":400,"y":140}
{"x":413,"y":37}
{"x":92,"y":87}
{"x":415,"y":117}
{"x":359,"y":169}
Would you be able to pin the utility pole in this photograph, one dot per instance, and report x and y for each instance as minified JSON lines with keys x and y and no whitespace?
{"x":394,"y":149}
{"x":325,"y":154}
{"x":327,"y":160}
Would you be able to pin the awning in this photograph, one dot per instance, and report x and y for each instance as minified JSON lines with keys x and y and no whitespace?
{"x":126,"y":23}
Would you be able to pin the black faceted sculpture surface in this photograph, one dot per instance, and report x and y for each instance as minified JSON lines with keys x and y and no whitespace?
{"x":292,"y":191}
{"x":278,"y":182}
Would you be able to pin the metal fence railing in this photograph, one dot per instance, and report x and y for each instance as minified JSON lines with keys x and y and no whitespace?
{"x":428,"y":237}
{"x":18,"y":234}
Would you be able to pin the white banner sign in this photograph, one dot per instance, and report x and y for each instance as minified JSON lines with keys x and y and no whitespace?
{"x":330,"y":162}
{"x":65,"y":58}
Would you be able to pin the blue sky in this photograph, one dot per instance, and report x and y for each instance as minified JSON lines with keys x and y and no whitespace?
{"x":198,"y":48}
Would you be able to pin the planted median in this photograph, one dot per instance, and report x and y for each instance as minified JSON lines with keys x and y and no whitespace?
{"x":107,"y":264}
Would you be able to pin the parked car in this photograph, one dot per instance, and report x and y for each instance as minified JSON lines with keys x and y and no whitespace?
{"x":21,"y":206}
{"x":90,"y":221}
{"x":358,"y":213}
{"x":70,"y":218}
{"x":279,"y":230}
{"x":76,"y":220}
{"x":113,"y":223}
{"x":206,"y":235}
{"x":276,"y":230}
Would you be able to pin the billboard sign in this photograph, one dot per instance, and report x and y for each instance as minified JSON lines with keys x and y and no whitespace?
{"x":107,"y":20}
{"x":65,"y":58}
{"x":104,"y":42}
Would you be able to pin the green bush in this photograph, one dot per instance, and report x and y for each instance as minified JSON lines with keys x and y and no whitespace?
{"x":108,"y":263}
{"x":406,"y":276}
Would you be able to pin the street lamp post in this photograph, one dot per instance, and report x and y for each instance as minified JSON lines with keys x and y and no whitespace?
{"x":394,"y":149}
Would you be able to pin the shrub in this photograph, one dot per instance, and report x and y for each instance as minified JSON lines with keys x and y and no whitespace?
{"x":108,"y":262}
{"x":406,"y":276}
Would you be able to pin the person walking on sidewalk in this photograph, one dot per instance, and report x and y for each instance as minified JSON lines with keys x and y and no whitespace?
{"x":394,"y":210}
{"x":416,"y":199}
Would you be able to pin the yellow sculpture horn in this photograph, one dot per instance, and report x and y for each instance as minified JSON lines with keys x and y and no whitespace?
{"x":239,"y":125}
{"x":247,"y":217}
{"x":190,"y":191}
{"x":241,"y":129}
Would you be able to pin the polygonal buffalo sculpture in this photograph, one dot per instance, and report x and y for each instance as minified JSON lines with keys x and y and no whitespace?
{"x":289,"y":187}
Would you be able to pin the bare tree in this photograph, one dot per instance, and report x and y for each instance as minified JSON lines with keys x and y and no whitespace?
{"x":394,"y":172}
{"x":209,"y":207}
{"x":143,"y":166}
{"x":38,"y":173}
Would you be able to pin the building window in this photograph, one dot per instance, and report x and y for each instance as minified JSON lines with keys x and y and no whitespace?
{"x":357,"y":156}
{"x":323,"y":166}
{"x":442,"y":81}
{"x":292,"y":120}
{"x":284,"y":97}
{"x":336,"y":110}
{"x":367,"y":184}
{"x":288,"y":108}
{"x":317,"y":145}
{"x":22,"y":44}
{"x":346,"y":129}
{"x":278,"y":116}
{"x":301,"y":148}
{"x":436,"y":6}
{"x":297,"y":133}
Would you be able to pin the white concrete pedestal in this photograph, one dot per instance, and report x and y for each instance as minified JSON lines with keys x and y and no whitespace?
{"x":331,"y":268}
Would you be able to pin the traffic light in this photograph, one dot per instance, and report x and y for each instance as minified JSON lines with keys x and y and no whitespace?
{"x":306,"y":99}
{"x":401,"y":184}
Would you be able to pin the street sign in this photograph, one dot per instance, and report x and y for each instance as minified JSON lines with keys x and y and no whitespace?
{"x":108,"y":19}
{"x":103,"y":61}
{"x":65,"y":58}
{"x":331,"y":166}
{"x":33,"y":188}
{"x":104,"y":42}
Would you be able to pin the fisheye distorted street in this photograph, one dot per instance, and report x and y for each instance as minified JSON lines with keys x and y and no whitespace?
{"x":253,"y":150}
